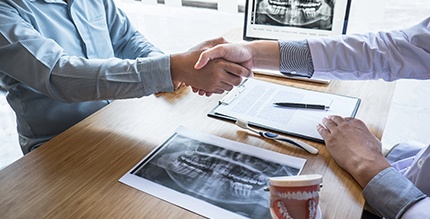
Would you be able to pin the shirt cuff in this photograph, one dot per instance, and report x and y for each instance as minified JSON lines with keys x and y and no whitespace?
{"x":296,"y":59}
{"x":155,"y":74}
{"x":391,"y":194}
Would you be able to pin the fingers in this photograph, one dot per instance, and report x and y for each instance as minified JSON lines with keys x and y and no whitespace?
{"x":212,"y":42}
{"x":204,"y":93}
{"x":332,"y":121}
{"x":195,"y":90}
{"x":223,"y":86}
{"x":333,"y":124}
{"x":235,"y":69}
{"x":322,"y":131}
{"x":336,"y":119}
{"x":219,"y":40}
{"x":329,"y":125}
{"x":220,"y":76}
{"x":228,"y":80}
{"x":231,"y":74}
{"x":177,"y":85}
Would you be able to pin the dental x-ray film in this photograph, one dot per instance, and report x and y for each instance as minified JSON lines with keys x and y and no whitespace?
{"x":212,"y":176}
{"x":295,"y":19}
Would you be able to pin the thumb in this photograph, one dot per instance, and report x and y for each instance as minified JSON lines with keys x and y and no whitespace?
{"x":206,"y":56}
{"x":201,"y":62}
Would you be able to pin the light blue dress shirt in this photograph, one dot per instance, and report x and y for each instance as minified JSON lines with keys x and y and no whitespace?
{"x":403,"y":190}
{"x":61,"y":62}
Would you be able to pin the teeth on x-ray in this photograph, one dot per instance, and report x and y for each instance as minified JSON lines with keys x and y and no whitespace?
{"x":200,"y":173}
{"x":296,"y":3}
{"x":241,"y":189}
{"x":216,"y":174}
{"x":229,"y":179}
{"x":197,"y":164}
{"x":302,"y":13}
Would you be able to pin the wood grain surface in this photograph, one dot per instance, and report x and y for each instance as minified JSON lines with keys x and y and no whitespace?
{"x":75,"y":175}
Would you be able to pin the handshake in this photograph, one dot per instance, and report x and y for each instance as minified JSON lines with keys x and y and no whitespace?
{"x":220,"y":65}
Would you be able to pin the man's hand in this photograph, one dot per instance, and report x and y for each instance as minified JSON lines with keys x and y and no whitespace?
{"x":353,"y":147}
{"x":216,"y":77}
{"x":263,"y":54}
{"x":203,"y":46}
{"x":238,"y":53}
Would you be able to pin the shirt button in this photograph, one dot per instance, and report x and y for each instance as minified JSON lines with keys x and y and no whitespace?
{"x":420,"y":163}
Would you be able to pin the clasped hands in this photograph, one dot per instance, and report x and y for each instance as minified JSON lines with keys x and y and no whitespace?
{"x":348,"y":140}
{"x":214,"y":75}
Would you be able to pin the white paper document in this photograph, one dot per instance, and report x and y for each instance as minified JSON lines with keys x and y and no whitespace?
{"x":210,"y":175}
{"x":254,"y":101}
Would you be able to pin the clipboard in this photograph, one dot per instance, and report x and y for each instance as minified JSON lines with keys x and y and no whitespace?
{"x":253,"y":100}
{"x":290,"y":76}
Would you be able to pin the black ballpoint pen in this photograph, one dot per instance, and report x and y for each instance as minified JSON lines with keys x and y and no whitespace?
{"x":302,"y":105}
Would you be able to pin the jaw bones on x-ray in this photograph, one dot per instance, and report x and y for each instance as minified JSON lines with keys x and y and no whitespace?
{"x":298,"y":13}
{"x":226,"y":178}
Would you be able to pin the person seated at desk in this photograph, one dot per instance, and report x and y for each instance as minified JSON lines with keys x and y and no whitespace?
{"x":61,"y":61}
{"x":396,"y":186}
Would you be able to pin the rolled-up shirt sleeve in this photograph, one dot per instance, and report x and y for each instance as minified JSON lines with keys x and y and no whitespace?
{"x":296,"y":59}
{"x":392,"y":194}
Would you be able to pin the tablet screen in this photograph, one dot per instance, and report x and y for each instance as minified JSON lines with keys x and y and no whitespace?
{"x":295,"y":19}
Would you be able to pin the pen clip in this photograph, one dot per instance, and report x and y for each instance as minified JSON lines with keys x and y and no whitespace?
{"x":329,"y":105}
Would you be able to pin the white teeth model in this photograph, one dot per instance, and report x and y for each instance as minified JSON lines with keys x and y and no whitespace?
{"x":283,"y":211}
{"x":298,"y":195}
{"x":285,"y":215}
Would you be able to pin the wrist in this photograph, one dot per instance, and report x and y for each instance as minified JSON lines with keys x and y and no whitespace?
{"x":176,"y":77}
{"x":179,"y":63}
{"x":366,"y":171}
{"x":265,"y":54}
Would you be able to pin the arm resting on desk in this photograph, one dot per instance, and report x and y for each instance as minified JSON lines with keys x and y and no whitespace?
{"x":394,"y":196}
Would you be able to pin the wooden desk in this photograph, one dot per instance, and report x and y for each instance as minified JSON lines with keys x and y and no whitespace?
{"x":75,"y":175}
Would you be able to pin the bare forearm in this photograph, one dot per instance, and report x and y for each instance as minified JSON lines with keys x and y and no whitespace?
{"x":179,"y":66}
{"x":265,"y":54}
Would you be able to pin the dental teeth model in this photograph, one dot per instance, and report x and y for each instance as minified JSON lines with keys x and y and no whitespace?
{"x":295,"y":196}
